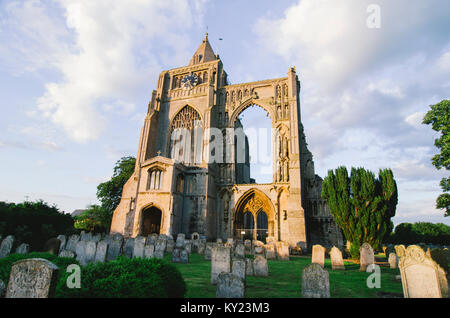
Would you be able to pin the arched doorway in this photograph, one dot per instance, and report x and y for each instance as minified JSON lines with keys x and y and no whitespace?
{"x":254,"y":215}
{"x":151,"y":221}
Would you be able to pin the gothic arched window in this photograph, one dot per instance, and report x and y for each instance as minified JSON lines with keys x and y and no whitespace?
{"x":155,"y":177}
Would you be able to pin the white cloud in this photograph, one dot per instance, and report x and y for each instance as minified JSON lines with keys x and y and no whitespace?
{"x":105,"y":51}
{"x":415,"y":119}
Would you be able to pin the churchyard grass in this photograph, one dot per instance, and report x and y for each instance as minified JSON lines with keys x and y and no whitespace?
{"x":284,"y":280}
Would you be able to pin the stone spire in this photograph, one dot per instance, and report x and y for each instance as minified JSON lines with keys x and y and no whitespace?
{"x":204,"y":53}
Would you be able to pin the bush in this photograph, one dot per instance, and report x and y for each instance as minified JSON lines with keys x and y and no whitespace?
{"x":33,"y":223}
{"x":420,"y":232}
{"x":7,"y":262}
{"x":126,"y":278}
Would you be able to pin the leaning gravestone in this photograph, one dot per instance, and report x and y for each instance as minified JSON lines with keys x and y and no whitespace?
{"x":229,"y":286}
{"x":238,"y":268}
{"x":72,"y":243}
{"x":101,"y":252}
{"x":315,"y":282}
{"x":6,"y":246}
{"x":115,"y":248}
{"x":318,"y":255}
{"x":128,"y":247}
{"x":421,"y":276}
{"x":139,"y":245}
{"x":337,"y":262}
{"x":282,"y":251}
{"x":366,"y":256}
{"x":91,"y":248}
{"x":149,"y":250}
{"x":23,"y":248}
{"x":81,"y":252}
{"x":220,"y":262}
{"x":52,"y":246}
{"x":393,"y":260}
{"x":63,"y":240}
{"x":260,"y":267}
{"x":32,"y":278}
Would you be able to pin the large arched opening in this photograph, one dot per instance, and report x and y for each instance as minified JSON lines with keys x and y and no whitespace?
{"x":151,"y":221}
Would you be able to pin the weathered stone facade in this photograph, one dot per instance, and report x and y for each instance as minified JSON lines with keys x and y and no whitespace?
{"x":180,"y":186}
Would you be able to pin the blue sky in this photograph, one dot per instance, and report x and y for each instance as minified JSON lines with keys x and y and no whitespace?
{"x":76,"y":77}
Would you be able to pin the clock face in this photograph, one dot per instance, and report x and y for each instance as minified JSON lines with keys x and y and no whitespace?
{"x":189,"y":81}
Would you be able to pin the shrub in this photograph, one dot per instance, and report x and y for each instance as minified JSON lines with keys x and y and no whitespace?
{"x":126,"y":278}
{"x":420,"y":232}
{"x":7,"y":262}
{"x":33,"y":222}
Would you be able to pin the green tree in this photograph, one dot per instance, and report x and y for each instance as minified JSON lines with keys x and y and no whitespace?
{"x":94,"y":219}
{"x":438,"y":117}
{"x":110,"y":192}
{"x":361,"y":204}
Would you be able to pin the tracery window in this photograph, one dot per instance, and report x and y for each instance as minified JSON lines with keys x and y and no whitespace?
{"x":155,"y":177}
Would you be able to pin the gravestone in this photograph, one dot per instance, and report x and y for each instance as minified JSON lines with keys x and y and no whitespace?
{"x":238,"y":268}
{"x":108,"y":239}
{"x":160,"y":248}
{"x":229,"y":286}
{"x":337,"y":262}
{"x":259,"y":250}
{"x":151,"y":239}
{"x":128,"y":247}
{"x":239,"y":251}
{"x":6,"y":246}
{"x":23,"y":248}
{"x":52,"y":246}
{"x":67,"y":253}
{"x":208,"y":250}
{"x":220,"y":262}
{"x":81,"y":252}
{"x":248,"y":246}
{"x":96,"y":238}
{"x":270,"y":251}
{"x":260,"y":267}
{"x":180,"y":240}
{"x":32,"y":278}
{"x":393,"y":260}
{"x":139,"y":245}
{"x":318,"y":255}
{"x":72,"y":243}
{"x":201,"y":248}
{"x":63,"y":240}
{"x":149,"y":250}
{"x":101,"y":252}
{"x":115,"y":247}
{"x":91,"y":249}
{"x":282,"y":251}
{"x":315,"y":282}
{"x":188,"y":246}
{"x":230,"y":242}
{"x":85,"y":236}
{"x":180,"y":255}
{"x":249,"y":267}
{"x":400,"y":250}
{"x":421,"y":276}
{"x":170,"y":245}
{"x":366,"y":256}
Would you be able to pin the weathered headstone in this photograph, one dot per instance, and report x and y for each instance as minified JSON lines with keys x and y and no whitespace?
{"x":180,"y":240}
{"x":201,"y":248}
{"x":149,"y":250}
{"x":315,"y":282}
{"x":72,"y":243}
{"x":238,"y":268}
{"x":101,"y":252}
{"x":208,"y":251}
{"x":139,"y":245}
{"x":85,"y":236}
{"x":188,"y":246}
{"x":6,"y":246}
{"x":160,"y":248}
{"x":337,"y":262}
{"x":23,"y":248}
{"x":239,"y":251}
{"x":258,"y":250}
{"x":400,"y":250}
{"x":318,"y":255}
{"x":32,"y":278}
{"x":421,"y":276}
{"x":81,"y":252}
{"x":151,"y":239}
{"x":366,"y":256}
{"x":260,"y":267}
{"x":229,"y":286}
{"x":282,"y":251}
{"x":220,"y":262}
{"x":270,"y":251}
{"x":393,"y":260}
{"x":115,"y":247}
{"x":128,"y":247}
{"x":63,"y":240}
{"x":248,"y":246}
{"x":229,"y":242}
{"x":96,"y":237}
{"x":180,"y":255}
{"x":249,"y":267}
{"x":52,"y":246}
{"x":91,"y":249}
{"x":170,"y":246}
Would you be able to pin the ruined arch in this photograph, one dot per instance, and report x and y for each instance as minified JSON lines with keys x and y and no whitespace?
{"x":246,"y":104}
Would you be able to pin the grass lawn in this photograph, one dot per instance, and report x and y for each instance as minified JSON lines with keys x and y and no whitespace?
{"x":284,"y":280}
